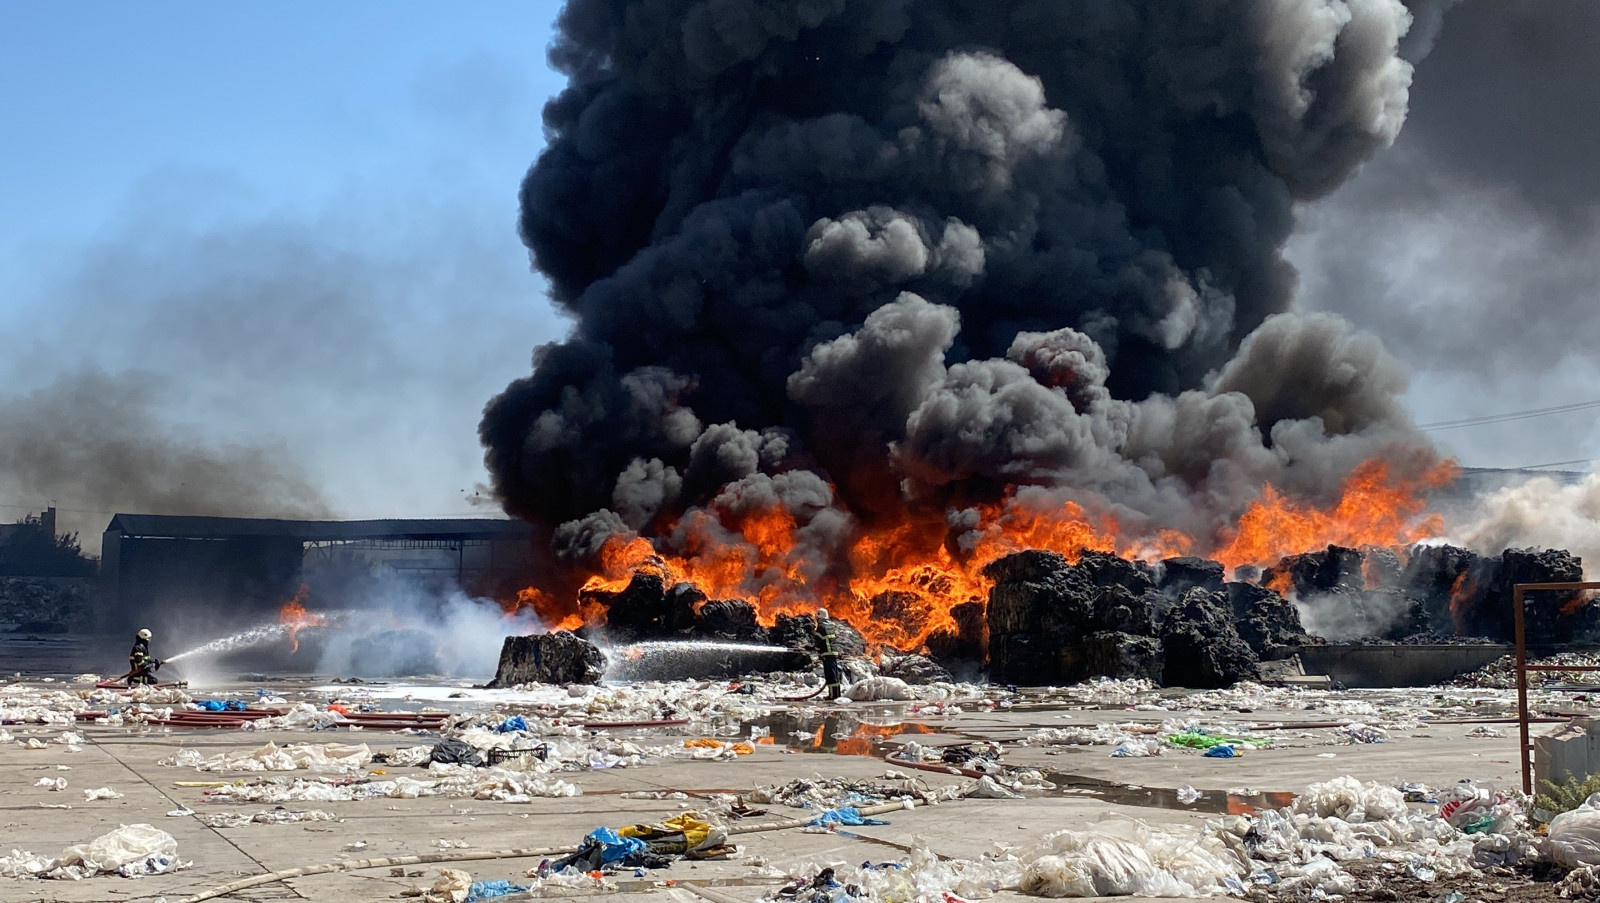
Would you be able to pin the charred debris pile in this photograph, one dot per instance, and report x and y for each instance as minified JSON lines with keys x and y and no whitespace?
{"x":1179,"y":622}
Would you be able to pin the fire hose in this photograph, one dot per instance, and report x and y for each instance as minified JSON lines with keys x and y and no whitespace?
{"x":352,"y":865}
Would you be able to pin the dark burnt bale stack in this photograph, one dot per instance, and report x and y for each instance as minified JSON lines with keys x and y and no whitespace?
{"x":1180,"y":574}
{"x":729,"y":620}
{"x":1266,"y":621}
{"x":1444,"y":579}
{"x":1125,"y":656}
{"x":1054,"y":622}
{"x":551,"y":658}
{"x":1546,"y":615}
{"x":1039,"y":607}
{"x":1200,"y":645}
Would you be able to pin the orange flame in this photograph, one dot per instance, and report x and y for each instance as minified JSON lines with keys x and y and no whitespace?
{"x":294,"y":616}
{"x":1374,"y":508}
{"x":898,"y":583}
{"x":1281,"y":582}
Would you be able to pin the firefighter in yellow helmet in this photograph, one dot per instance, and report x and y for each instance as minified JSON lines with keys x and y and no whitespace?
{"x":141,"y":664}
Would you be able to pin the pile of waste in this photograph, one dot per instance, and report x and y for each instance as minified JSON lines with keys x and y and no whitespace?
{"x":130,"y":851}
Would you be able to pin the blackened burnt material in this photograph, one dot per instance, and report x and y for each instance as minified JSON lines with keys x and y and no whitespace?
{"x":1202,"y":648}
{"x":550,"y":658}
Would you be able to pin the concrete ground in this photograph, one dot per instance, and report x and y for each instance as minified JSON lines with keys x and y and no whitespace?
{"x":1093,"y":784}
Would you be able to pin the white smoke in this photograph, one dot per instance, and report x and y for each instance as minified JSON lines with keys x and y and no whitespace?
{"x":396,"y":625}
{"x":1542,"y":513}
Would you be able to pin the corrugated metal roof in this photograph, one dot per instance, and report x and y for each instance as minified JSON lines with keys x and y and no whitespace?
{"x":188,"y":527}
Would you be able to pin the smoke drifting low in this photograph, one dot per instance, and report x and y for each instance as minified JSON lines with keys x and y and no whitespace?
{"x":863,"y":263}
{"x":99,"y":439}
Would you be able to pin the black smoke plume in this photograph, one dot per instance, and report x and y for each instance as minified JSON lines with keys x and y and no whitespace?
{"x":857,"y":259}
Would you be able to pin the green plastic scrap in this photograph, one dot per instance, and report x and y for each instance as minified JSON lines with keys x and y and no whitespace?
{"x":1203,"y":740}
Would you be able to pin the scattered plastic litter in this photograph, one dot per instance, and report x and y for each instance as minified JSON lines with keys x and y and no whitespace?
{"x":1187,"y":794}
{"x":514,"y":723}
{"x":1222,"y":751}
{"x":264,"y":817}
{"x":101,"y":793}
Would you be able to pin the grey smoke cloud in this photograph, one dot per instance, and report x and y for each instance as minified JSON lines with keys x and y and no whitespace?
{"x":944,"y":250}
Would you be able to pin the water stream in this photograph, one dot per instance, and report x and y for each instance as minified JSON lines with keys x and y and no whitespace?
{"x":678,"y":659}
{"x":255,"y":636}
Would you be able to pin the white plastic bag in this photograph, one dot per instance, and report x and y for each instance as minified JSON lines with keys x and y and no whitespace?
{"x":1574,"y":837}
{"x":874,"y":689}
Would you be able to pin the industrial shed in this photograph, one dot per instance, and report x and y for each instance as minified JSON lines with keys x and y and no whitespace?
{"x":230,"y":566}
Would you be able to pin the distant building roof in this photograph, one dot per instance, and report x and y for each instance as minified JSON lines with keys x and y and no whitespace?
{"x":187,"y":527}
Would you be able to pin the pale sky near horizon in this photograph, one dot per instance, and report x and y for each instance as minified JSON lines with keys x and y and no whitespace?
{"x":292,"y":227}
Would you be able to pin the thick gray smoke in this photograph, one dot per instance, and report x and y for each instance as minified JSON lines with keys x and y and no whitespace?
{"x":862,"y":259}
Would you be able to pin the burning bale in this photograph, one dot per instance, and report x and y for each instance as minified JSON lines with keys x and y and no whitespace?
{"x":551,"y":658}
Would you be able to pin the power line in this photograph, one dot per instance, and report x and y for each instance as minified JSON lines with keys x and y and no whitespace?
{"x":1556,"y":463}
{"x":1509,"y":416}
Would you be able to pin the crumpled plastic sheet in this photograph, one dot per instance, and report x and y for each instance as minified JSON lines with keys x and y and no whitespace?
{"x":101,"y":793}
{"x":130,"y":851}
{"x":324,"y":757}
{"x":1126,"y":857}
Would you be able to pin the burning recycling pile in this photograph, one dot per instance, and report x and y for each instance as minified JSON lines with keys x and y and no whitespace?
{"x":866,"y":299}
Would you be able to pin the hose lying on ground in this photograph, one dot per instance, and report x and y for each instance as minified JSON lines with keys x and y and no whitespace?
{"x":351,"y":865}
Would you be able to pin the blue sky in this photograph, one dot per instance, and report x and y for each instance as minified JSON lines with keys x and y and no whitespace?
{"x":290,"y":225}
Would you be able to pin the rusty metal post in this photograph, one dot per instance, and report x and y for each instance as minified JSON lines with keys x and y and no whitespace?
{"x":1525,"y":745}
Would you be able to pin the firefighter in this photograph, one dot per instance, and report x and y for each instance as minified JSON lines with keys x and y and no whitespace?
{"x":828,"y":649}
{"x":142,"y":665}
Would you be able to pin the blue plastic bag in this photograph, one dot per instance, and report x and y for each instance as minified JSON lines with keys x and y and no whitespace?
{"x":1221,"y":751}
{"x":615,"y":847}
{"x":484,"y":890}
{"x":514,"y":723}
{"x":850,"y":816}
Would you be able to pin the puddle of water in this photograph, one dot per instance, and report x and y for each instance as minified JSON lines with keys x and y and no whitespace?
{"x":1220,"y":802}
{"x":839,"y":733}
